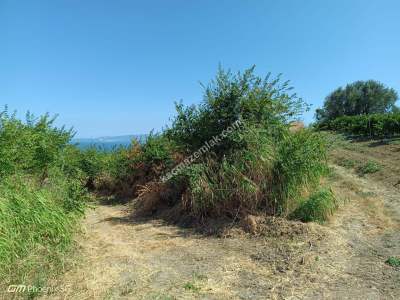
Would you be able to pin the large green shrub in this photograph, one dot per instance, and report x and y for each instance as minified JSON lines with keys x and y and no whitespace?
{"x":261,"y":102}
{"x":261,"y":166}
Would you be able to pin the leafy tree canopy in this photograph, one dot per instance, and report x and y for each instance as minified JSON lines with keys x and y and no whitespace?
{"x":358,"y":98}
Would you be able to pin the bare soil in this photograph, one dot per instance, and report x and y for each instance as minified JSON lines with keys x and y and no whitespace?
{"x":128,"y":258}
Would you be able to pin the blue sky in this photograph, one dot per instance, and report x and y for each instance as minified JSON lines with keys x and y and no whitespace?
{"x":115,"y":67}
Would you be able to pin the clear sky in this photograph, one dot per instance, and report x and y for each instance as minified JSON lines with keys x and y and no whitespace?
{"x":116,"y":67}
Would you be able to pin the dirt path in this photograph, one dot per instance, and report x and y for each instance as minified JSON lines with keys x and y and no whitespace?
{"x":126,"y":259}
{"x":370,"y":222}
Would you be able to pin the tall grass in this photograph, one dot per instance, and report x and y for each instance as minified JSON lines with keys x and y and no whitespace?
{"x":42,"y":195}
{"x":269,"y":176}
{"x":300,"y":164}
{"x":221,"y":187}
{"x":35,"y":225}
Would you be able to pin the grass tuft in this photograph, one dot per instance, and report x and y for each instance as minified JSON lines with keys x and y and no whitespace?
{"x":317,"y":208}
{"x":346,"y":163}
{"x":393,"y":261}
{"x":191,"y":287}
{"x":369,"y":168}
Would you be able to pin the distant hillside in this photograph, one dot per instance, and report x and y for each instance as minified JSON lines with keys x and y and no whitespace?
{"x":108,"y":142}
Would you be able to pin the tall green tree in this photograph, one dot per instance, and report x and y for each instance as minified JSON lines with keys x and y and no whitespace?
{"x":358,"y":98}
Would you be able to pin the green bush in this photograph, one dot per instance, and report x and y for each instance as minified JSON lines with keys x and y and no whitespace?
{"x":157,"y":151}
{"x":317,"y":208}
{"x":369,"y":168}
{"x":99,"y":170}
{"x":267,"y":176}
{"x":393,"y":261}
{"x":128,"y":169}
{"x":31,"y":146}
{"x":376,"y":125}
{"x":254,"y":101}
{"x":42,"y":195}
{"x":260,"y":166}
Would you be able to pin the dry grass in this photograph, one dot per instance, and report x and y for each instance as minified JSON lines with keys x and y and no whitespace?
{"x":141,"y":260}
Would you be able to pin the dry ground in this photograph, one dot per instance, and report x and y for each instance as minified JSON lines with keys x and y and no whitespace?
{"x":124,"y":258}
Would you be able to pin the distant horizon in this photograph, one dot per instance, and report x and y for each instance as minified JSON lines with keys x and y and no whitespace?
{"x":110,"y":136}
